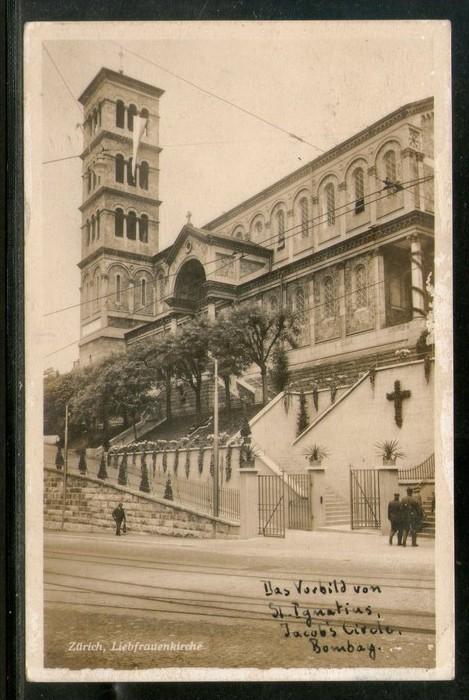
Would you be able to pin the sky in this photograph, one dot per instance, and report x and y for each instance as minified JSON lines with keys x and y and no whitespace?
{"x":322,"y":81}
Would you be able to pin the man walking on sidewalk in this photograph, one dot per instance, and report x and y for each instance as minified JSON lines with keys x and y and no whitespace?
{"x":119,"y":516}
{"x":395,"y":517}
{"x":412,"y":516}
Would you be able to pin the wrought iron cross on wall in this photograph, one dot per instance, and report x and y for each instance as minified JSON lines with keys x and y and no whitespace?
{"x":398,"y":397}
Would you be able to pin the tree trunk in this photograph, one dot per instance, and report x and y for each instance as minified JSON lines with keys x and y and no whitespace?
{"x":226,"y":379}
{"x":169,"y":412}
{"x":264,"y":385}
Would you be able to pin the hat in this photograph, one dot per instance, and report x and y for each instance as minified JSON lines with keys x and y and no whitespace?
{"x":397,"y":494}
{"x":409,"y":490}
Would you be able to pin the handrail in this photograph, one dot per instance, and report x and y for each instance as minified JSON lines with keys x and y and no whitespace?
{"x":425,"y":470}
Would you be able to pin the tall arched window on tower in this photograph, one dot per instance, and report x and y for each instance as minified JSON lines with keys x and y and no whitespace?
{"x":119,"y":223}
{"x":98,"y":224}
{"x":280,"y":229}
{"x":143,"y":292}
{"x":93,"y":227}
{"x":329,"y":301}
{"x":359,"y":187}
{"x":330,"y":204}
{"x":132,"y":225}
{"x":118,"y":289}
{"x":88,"y":232}
{"x":120,"y":114}
{"x":131,"y":113}
{"x":304,"y":214}
{"x":89,"y":180}
{"x":143,"y":228}
{"x":93,"y":175}
{"x":390,"y":169}
{"x":120,"y":167}
{"x":143,"y":175}
{"x":360,"y":287}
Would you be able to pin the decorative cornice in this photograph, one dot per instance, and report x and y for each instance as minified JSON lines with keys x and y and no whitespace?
{"x":106,"y":189}
{"x":415,"y":218}
{"x":120,"y":79}
{"x":339,"y":150}
{"x":114,"y":136}
{"x":102,"y":251}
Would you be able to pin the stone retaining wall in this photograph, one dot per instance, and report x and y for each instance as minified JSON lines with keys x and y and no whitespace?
{"x":90,"y":502}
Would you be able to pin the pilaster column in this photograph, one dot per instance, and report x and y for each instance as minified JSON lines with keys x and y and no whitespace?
{"x":416,"y":267}
{"x":388,"y":486}
{"x":249,"y":503}
{"x":340,"y":294}
{"x":373,"y":186}
{"x":341,"y":218}
{"x":380,"y":296}
{"x":131,"y":296}
{"x":211,"y":311}
{"x":317,"y":483}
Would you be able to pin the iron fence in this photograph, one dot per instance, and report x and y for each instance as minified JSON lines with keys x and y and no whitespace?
{"x":422,"y":472}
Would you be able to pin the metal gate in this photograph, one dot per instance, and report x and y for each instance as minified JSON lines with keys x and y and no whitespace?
{"x":300,"y":514}
{"x":271,"y":506}
{"x":364,"y":498}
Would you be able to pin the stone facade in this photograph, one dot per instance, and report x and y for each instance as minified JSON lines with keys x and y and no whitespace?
{"x":90,"y":502}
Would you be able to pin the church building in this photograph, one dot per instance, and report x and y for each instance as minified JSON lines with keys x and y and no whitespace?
{"x":346,"y":240}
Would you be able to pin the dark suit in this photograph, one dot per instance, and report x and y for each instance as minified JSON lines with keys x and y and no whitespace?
{"x":119,"y":516}
{"x":395,"y":516}
{"x":413,"y":517}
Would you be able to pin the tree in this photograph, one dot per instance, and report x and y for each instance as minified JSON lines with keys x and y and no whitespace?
{"x":58,"y":391}
{"x":132,"y":384}
{"x":260,"y":331}
{"x":280,"y":371}
{"x":190,"y":353}
{"x":230,"y":350}
{"x":303,"y":418}
{"x":157,"y":353}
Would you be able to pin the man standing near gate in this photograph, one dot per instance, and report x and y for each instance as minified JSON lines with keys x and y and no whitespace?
{"x":412,"y":517}
{"x":119,"y":518}
{"x":395,"y":516}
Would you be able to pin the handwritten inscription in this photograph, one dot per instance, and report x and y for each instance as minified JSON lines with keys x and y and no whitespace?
{"x":334,"y":622}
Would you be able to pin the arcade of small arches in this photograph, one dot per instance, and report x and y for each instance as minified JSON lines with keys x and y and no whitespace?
{"x":125,"y":115}
{"x":360,"y":181}
{"x":123,"y":172}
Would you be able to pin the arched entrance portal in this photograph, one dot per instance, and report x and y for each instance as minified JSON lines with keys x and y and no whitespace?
{"x":190,"y":281}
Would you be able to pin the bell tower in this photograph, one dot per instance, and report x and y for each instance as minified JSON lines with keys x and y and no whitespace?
{"x":119,"y":210}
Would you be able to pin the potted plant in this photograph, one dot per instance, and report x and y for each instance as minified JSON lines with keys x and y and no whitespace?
{"x":389,"y":451}
{"x":315,"y":454}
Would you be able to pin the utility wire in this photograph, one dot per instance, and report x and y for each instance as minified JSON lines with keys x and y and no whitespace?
{"x":317,"y":219}
{"x":218,"y":97}
{"x":307,"y":308}
{"x":64,"y":81}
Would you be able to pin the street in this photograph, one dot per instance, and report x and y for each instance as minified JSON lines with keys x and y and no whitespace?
{"x":309,"y":600}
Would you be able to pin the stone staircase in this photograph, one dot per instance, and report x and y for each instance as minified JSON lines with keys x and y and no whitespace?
{"x":428,"y":529}
{"x":337,"y":511}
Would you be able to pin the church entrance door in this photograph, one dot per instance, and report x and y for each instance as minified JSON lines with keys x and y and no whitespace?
{"x":365,"y":498}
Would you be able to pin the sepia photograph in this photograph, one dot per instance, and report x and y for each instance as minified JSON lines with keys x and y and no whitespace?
{"x":238,"y":351}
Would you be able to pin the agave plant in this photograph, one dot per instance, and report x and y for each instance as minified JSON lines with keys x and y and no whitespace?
{"x":389,"y":450}
{"x":316,"y":453}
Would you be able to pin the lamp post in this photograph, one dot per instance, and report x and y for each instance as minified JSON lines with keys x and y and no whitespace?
{"x":215,"y":437}
{"x":65,"y":466}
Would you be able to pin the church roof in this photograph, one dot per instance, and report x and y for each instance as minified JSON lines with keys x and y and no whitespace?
{"x":210,"y":237}
{"x":120,"y":78}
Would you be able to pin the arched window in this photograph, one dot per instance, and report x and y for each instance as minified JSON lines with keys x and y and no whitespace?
{"x":94,"y":178}
{"x":360,"y":286}
{"x":120,"y":167}
{"x":132,"y":225}
{"x":359,"y":187}
{"x":120,"y":114}
{"x":119,"y":223}
{"x":143,"y":228}
{"x":130,"y":178}
{"x":89,"y":180}
{"x":161,"y":283}
{"x":88,"y":232}
{"x":280,"y":229}
{"x":238,"y":232}
{"x":93,"y":228}
{"x":258,"y":229}
{"x":98,"y":223}
{"x":96,"y":292}
{"x":118,"y":289}
{"x":300,"y":305}
{"x":330,"y":204}
{"x":131,"y":113}
{"x":143,"y":174}
{"x":143,"y":291}
{"x":390,"y":166}
{"x":329,"y":302}
{"x":304,"y":215}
